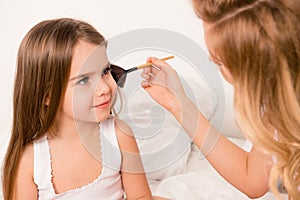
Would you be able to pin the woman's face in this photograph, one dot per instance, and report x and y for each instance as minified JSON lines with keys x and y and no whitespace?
{"x":91,"y":88}
{"x":223,"y":69}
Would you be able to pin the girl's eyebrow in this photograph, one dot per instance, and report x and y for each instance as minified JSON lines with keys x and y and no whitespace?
{"x":88,"y":74}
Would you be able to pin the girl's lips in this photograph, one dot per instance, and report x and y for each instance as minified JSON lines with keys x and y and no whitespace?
{"x":103,"y":105}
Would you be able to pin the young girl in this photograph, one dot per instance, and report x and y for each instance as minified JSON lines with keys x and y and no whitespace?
{"x":256,"y":44}
{"x":65,"y":143}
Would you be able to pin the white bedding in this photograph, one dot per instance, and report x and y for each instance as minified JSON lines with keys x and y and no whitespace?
{"x":200,"y":182}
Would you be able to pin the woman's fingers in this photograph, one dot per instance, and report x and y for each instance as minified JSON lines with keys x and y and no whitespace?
{"x":155,"y":67}
{"x":157,"y":73}
{"x":148,"y":75}
{"x":146,"y":84}
{"x":145,"y":75}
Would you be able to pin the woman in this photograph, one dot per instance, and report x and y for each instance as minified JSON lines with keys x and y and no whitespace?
{"x":256,"y":44}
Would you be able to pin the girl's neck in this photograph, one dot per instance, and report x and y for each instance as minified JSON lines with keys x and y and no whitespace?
{"x":75,"y":130}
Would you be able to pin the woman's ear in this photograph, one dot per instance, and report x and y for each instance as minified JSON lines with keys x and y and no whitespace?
{"x":226,"y":74}
{"x":47,"y":99}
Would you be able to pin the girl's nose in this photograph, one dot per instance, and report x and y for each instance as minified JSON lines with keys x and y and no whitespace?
{"x":103,"y":87}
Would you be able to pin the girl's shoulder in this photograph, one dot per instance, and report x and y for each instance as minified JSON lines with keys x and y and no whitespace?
{"x":125,"y":136}
{"x":26,"y":161}
{"x":25,"y":186}
{"x":131,"y":160}
{"x":122,"y":126}
{"x":27,"y":153}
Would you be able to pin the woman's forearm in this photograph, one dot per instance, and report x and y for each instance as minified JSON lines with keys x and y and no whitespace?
{"x":248,"y":172}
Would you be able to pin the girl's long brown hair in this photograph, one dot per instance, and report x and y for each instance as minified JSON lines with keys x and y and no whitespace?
{"x":259,"y":42}
{"x":43,"y":67}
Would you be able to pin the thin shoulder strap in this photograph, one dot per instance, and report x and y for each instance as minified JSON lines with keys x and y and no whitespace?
{"x":42,"y":163}
{"x":109,"y":144}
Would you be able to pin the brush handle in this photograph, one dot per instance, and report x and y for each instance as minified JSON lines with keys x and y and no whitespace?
{"x":148,"y":64}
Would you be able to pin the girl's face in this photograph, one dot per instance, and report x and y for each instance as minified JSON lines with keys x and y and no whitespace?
{"x":91,"y":88}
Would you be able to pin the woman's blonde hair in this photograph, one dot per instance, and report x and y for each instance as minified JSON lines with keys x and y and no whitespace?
{"x":259,"y":42}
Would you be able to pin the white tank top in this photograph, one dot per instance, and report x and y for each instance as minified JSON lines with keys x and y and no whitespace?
{"x":107,"y":186}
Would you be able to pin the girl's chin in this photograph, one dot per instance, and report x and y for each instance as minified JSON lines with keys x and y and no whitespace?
{"x":102,"y":117}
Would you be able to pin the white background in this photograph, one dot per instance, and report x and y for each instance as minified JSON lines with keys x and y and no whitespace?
{"x":109,"y":17}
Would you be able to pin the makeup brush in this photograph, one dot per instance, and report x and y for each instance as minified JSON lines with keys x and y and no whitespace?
{"x":120,"y":74}
{"x":148,"y":64}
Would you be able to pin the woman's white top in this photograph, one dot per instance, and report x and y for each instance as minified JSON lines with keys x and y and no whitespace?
{"x":107,"y":186}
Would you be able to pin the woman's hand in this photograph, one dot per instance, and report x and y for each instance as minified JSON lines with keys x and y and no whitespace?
{"x":162,"y":83}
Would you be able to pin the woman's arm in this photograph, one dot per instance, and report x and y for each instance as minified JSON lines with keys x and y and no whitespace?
{"x":25,"y":187}
{"x":248,"y":172}
{"x":133,"y":177}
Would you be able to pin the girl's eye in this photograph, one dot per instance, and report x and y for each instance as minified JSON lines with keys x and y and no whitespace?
{"x":83,"y":81}
{"x":106,"y":71}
